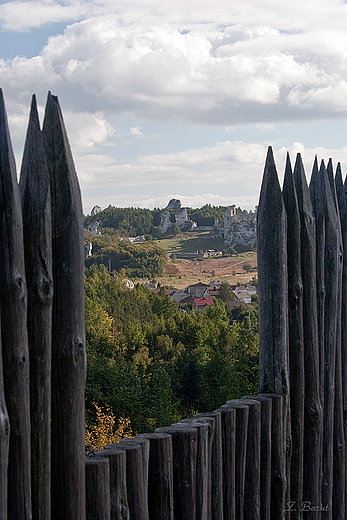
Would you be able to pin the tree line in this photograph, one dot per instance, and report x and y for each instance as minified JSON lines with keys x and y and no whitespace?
{"x":138,"y":221}
{"x":143,"y":260}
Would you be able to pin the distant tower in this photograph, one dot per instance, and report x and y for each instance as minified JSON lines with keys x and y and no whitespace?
{"x":230,"y":212}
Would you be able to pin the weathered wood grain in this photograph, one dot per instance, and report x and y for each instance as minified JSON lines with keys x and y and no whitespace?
{"x":144,"y":443}
{"x":320,"y":245}
{"x":13,"y":308}
{"x":203,"y":469}
{"x":325,"y":209}
{"x":4,"y":444}
{"x":135,"y":487}
{"x":98,"y":489}
{"x":34,"y":189}
{"x":341,"y":190}
{"x":160,"y":477}
{"x":184,"y":448}
{"x":68,"y":341}
{"x":119,"y":506}
{"x":238,"y":427}
{"x":339,"y":440}
{"x":313,"y":413}
{"x":273,"y":295}
{"x":265,"y":455}
{"x":273,"y":289}
{"x":252,"y":473}
{"x":216,"y":464}
{"x":296,"y":338}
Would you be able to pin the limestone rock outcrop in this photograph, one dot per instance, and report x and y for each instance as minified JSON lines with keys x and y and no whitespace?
{"x":96,"y":209}
{"x":174,"y":204}
{"x":241,"y":230}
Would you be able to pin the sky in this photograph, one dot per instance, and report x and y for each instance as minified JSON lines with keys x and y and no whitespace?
{"x":180,"y":99}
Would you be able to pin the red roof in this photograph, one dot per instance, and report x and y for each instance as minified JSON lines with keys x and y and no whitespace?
{"x":201,"y":302}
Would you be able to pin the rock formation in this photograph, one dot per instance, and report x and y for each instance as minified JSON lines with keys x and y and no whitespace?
{"x":174,"y":204}
{"x":95,"y":210}
{"x":241,"y":230}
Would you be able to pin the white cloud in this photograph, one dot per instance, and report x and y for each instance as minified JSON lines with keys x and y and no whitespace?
{"x":222,"y":63}
{"x":21,"y":15}
{"x":87,"y":130}
{"x":136,"y":131}
{"x":208,"y":66}
{"x":242,"y":174}
{"x":237,"y":163}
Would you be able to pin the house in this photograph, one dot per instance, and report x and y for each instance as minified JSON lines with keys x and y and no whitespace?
{"x":197,"y":289}
{"x":161,"y":291}
{"x":200,"y":304}
{"x":178,"y":295}
{"x":243,"y":295}
{"x":211,"y":292}
{"x":236,"y":303}
{"x":216,"y":284}
{"x":186,"y":301}
{"x":251,"y":289}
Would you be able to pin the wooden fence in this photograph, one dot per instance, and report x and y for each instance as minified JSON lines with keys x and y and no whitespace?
{"x":42,"y":463}
{"x":280,"y":454}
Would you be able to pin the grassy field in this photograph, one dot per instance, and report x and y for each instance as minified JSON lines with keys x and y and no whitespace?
{"x":190,"y":242}
{"x":183,"y":272}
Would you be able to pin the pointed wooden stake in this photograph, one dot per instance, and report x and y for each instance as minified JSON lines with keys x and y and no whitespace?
{"x":318,"y":209}
{"x":68,"y":343}
{"x":273,"y":295}
{"x":313,"y":413}
{"x":296,"y":336}
{"x":329,"y":260}
{"x":36,"y":203}
{"x":13,"y":302}
{"x":4,"y":444}
{"x":342,"y":199}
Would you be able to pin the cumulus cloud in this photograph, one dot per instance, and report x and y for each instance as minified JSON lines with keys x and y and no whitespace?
{"x":236,"y":162}
{"x":136,"y":131}
{"x":225,"y":63}
{"x":239,"y":166}
{"x":246,"y":63}
{"x":235,"y":165}
{"x":22,"y":15}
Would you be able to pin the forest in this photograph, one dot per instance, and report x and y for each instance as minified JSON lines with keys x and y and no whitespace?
{"x":150,"y":363}
{"x":144,"y":259}
{"x":138,"y":221}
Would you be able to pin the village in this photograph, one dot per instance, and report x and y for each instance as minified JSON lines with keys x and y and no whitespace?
{"x":200,"y":295}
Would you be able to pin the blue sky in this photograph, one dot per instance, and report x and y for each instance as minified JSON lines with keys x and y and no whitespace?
{"x":180,"y":99}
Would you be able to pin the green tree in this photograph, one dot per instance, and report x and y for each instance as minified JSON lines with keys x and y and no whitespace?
{"x":225,"y":293}
{"x":157,"y":232}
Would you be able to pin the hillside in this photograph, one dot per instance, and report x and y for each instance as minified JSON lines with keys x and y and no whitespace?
{"x":190,"y":242}
{"x":182,"y":273}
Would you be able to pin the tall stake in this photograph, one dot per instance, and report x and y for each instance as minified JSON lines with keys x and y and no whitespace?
{"x":273,"y":294}
{"x":296,"y":339}
{"x":326,"y":213}
{"x":36,"y":202}
{"x":339,"y":436}
{"x":13,"y":303}
{"x":4,"y":444}
{"x":68,"y":343}
{"x":320,"y":245}
{"x":313,"y":413}
{"x":341,"y":190}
